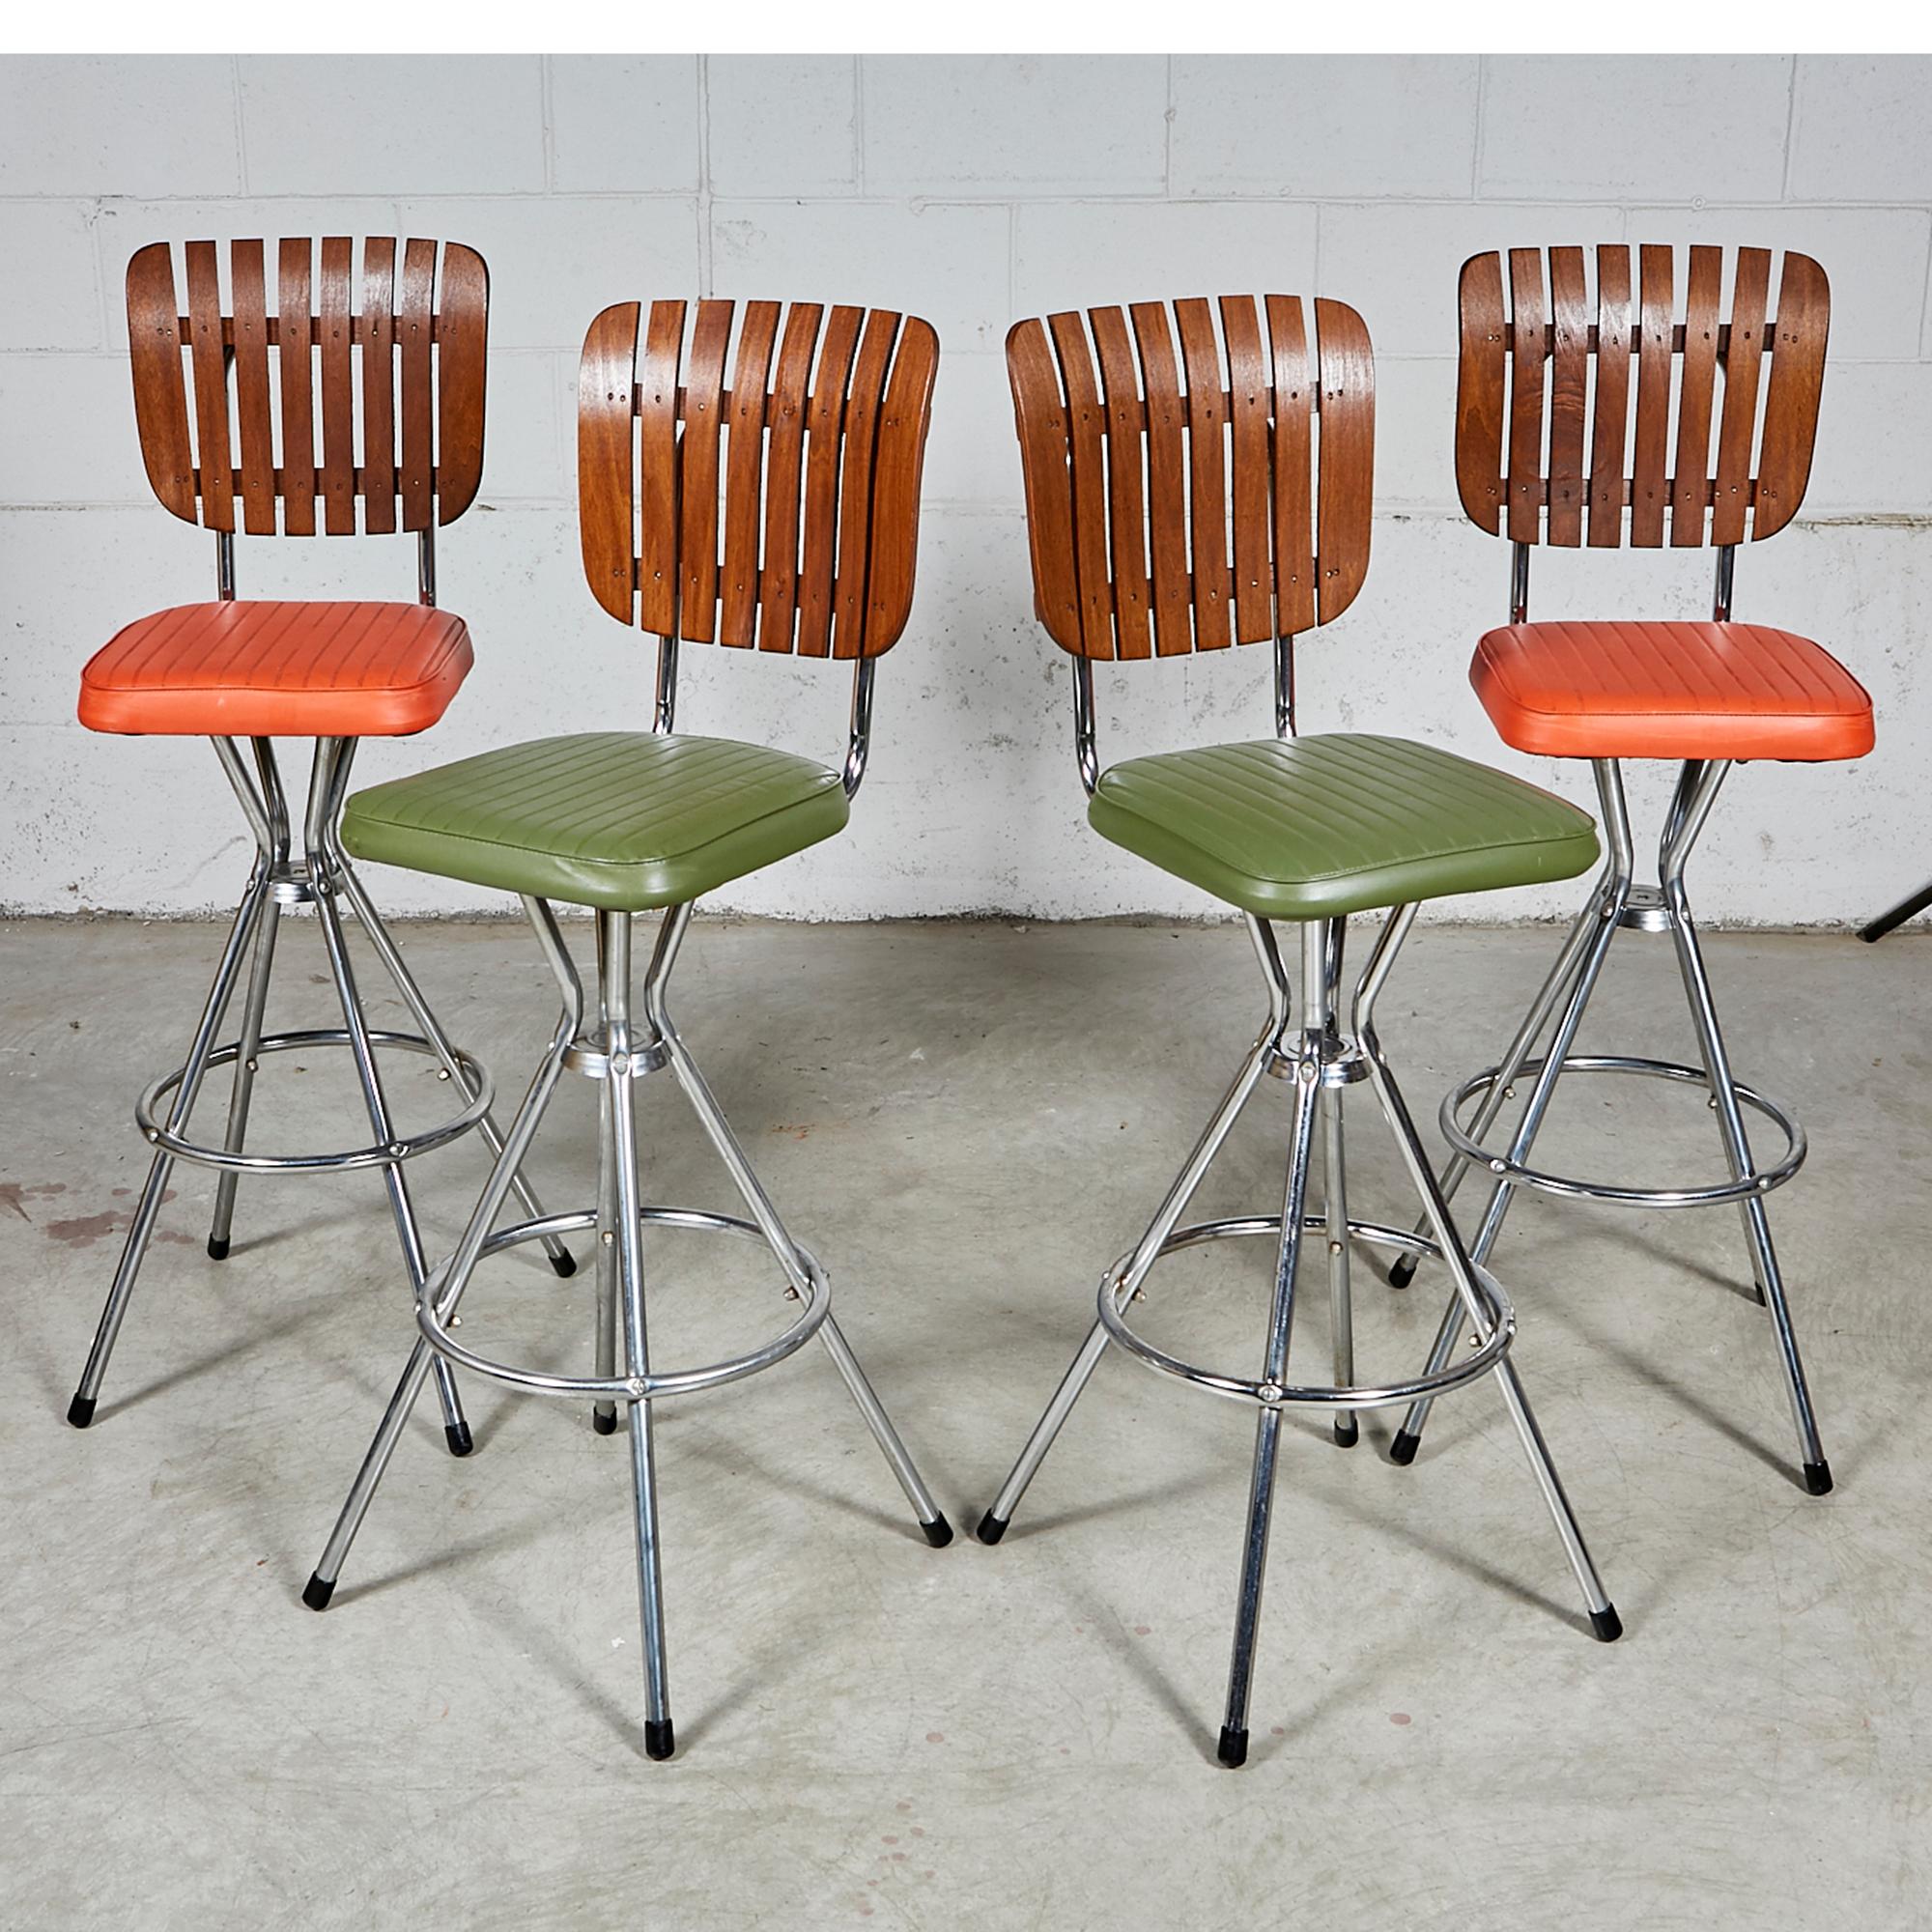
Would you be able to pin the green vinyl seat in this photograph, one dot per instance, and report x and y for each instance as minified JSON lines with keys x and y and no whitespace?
{"x":620,"y":820}
{"x":1321,"y":825}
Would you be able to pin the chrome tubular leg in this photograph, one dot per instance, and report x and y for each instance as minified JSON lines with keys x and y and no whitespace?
{"x":993,"y":1525}
{"x":613,"y":975}
{"x":454,"y":1279}
{"x":1612,"y":896}
{"x":1233,"y":1748}
{"x":80,"y":1410}
{"x":685,"y":1069}
{"x":1334,"y":1182}
{"x":1604,"y":1623}
{"x":329,"y":781}
{"x":1816,"y":1470}
{"x":248,"y":1046}
{"x":604,"y":1414}
{"x":431,"y":1029}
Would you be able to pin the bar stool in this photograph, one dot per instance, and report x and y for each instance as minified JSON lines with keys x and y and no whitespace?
{"x":821,"y":466}
{"x":1706,"y":695}
{"x":403,"y":357}
{"x":1131,"y":478}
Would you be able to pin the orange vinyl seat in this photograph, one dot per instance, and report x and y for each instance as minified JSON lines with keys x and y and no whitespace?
{"x":265,"y":670}
{"x":1616,"y":690}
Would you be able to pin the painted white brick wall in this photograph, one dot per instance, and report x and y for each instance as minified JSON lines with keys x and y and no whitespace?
{"x":970,"y":190}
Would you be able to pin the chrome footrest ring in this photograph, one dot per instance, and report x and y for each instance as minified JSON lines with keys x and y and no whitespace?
{"x":1760,"y":1182}
{"x":405,"y":1146}
{"x":1471,"y":1366}
{"x":659,"y":1381}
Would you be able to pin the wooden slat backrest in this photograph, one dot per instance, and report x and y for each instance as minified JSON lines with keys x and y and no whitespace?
{"x":779,"y":513}
{"x":366,"y":394}
{"x":1213,"y":466}
{"x":1673,"y":441}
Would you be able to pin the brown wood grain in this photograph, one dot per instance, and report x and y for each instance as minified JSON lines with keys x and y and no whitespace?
{"x":1609,"y":425}
{"x":825,"y":435}
{"x":606,"y":470}
{"x":377,"y":328}
{"x":1481,"y":371}
{"x":253,"y":406}
{"x":1347,"y":484}
{"x":1084,"y":423}
{"x":870,"y":370}
{"x":416,"y":328}
{"x":1528,"y":353}
{"x":462,"y":340}
{"x":336,"y":303}
{"x":743,"y":472}
{"x":785,"y":472}
{"x":1569,"y":393}
{"x":160,"y":401}
{"x":1040,"y":419}
{"x":905,"y":417}
{"x":295,"y":371}
{"x":1792,"y":395}
{"x":658,"y":469}
{"x":1292,"y":457}
{"x":1655,"y":300}
{"x":1250,"y":407}
{"x":1696,"y":385}
{"x":1206,"y":474}
{"x":1126,"y":495}
{"x":213,"y":444}
{"x":1167,"y":479}
{"x":1744,"y":357}
{"x":698,"y":472}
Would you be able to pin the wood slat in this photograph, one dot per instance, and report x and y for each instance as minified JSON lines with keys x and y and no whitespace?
{"x":1654,"y":363}
{"x":784,"y":475}
{"x":1697,"y":380}
{"x":415,"y":328}
{"x":213,"y":442}
{"x":825,"y":422}
{"x":160,"y":394}
{"x":1295,"y":404}
{"x":338,"y":387}
{"x":855,"y":482}
{"x":1167,"y":484}
{"x":462,"y":356}
{"x":697,"y":472}
{"x":607,"y":477}
{"x":1040,"y":417}
{"x":1791,"y":398}
{"x":294,"y":370}
{"x":1126,"y":499}
{"x":1569,"y":393}
{"x":1527,"y":354}
{"x":658,"y":469}
{"x":1480,"y":382}
{"x":1744,"y":357}
{"x":905,"y":416}
{"x":744,"y":476}
{"x":1085,"y":421}
{"x":378,"y":331}
{"x":1207,"y":474}
{"x":1250,"y":406}
{"x":1347,"y":497}
{"x":1609,"y":426}
{"x":253,"y":408}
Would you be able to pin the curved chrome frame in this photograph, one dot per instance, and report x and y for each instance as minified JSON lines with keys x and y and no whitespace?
{"x":322,"y":877}
{"x":1614,"y":903}
{"x":1315,"y":1053}
{"x":616,"y":1056}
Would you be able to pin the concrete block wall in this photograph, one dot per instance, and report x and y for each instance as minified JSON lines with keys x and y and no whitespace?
{"x":970,"y":190}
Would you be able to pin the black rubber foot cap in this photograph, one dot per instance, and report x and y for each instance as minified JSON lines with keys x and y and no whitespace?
{"x":1605,"y":1626}
{"x":938,"y":1533}
{"x":457,"y":1435}
{"x":991,"y":1527}
{"x":1817,"y":1476}
{"x":1347,"y":1432}
{"x":316,"y":1593}
{"x":1403,"y":1447}
{"x":659,"y":1743}
{"x":1234,"y":1749}
{"x":218,"y":1251}
{"x":605,"y":1424}
{"x":1402,"y":1271}
{"x":564,"y":1263}
{"x":80,"y":1412}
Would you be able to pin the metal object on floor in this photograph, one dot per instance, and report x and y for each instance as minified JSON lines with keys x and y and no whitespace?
{"x":332,"y":672}
{"x":630,"y":822}
{"x":1306,"y":830}
{"x":1703,"y":695}
{"x":1889,"y":921}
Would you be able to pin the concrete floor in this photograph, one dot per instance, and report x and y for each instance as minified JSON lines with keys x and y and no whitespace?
{"x":967,"y":1121}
